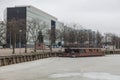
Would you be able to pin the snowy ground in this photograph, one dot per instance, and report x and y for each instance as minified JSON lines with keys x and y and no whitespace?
{"x":84,"y":68}
{"x":8,"y":51}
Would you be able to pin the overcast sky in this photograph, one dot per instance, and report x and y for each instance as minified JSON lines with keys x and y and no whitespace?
{"x":102,"y":15}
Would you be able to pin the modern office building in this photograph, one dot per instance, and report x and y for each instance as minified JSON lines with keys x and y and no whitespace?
{"x":26,"y":14}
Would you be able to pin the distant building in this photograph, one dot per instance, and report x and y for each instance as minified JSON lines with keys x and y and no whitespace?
{"x":27,"y":13}
{"x":107,"y":43}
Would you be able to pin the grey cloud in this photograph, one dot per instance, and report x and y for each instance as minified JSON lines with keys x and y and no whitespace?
{"x":103,"y":15}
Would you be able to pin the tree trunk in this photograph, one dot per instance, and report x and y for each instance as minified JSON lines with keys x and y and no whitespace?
{"x":50,"y":42}
{"x":51,"y":46}
{"x":35,"y":46}
{"x":25,"y":47}
{"x":14,"y":43}
{"x":61,"y":43}
{"x":13,"y":49}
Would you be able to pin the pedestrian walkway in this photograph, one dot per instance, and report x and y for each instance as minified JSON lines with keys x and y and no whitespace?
{"x":8,"y":51}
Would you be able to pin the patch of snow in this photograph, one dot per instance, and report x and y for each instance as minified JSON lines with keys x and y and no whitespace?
{"x":101,"y":76}
{"x":92,"y":75}
{"x":65,"y":75}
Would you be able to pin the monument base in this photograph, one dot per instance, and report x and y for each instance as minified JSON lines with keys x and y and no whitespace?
{"x":40,"y":46}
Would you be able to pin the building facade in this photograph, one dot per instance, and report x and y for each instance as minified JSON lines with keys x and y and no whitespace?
{"x":24,"y":14}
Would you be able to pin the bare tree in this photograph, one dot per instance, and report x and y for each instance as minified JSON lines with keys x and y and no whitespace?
{"x":48,"y":35}
{"x":12,"y":30}
{"x":23,"y":33}
{"x":60,"y":32}
{"x":28,"y":33}
{"x":99,"y":38}
{"x":72,"y":34}
{"x":3,"y":33}
{"x":35,"y":26}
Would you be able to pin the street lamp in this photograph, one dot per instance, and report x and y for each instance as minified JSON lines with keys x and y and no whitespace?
{"x":20,"y":40}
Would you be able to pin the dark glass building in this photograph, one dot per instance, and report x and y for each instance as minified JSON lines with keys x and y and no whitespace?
{"x":16,"y":26}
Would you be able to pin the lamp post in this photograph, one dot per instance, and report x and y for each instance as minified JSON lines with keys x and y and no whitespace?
{"x":20,"y":40}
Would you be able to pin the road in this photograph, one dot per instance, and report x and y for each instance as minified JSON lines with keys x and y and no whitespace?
{"x":58,"y":68}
